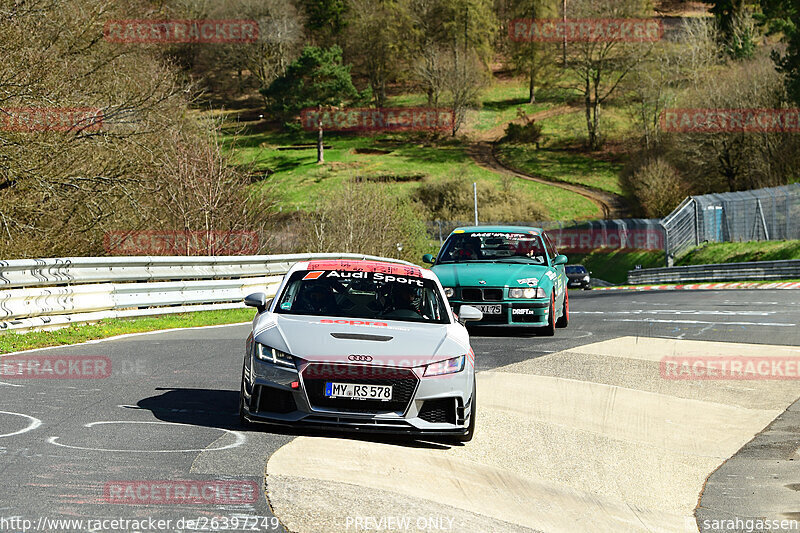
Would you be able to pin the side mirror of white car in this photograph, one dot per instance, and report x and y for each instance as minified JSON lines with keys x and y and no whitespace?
{"x":467,"y":313}
{"x":257,"y":300}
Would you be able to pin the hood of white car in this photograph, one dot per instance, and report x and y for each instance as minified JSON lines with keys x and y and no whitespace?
{"x":334,"y":339}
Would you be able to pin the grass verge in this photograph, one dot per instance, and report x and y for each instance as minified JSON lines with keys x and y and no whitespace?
{"x":13,"y":342}
{"x":740,"y":252}
{"x":613,"y":266}
{"x":562,"y":166}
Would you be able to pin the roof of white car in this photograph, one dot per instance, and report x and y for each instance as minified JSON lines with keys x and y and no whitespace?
{"x":362,"y":265}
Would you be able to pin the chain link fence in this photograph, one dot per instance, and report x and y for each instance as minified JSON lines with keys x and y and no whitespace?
{"x":759,"y":215}
{"x":770,"y":214}
{"x":579,"y":236}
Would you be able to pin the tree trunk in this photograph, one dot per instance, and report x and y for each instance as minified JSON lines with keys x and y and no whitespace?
{"x":320,"y":147}
{"x":588,"y":104}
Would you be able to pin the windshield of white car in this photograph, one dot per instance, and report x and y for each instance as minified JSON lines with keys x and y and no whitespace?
{"x":493,"y":246}
{"x":576,"y":270}
{"x":365,"y":295}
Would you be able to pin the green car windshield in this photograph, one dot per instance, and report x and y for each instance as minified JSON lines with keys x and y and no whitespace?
{"x":493,"y":247}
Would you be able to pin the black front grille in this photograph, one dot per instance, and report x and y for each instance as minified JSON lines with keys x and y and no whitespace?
{"x":442,"y":411}
{"x":493,"y":295}
{"x":402,"y":380}
{"x":482,"y":295}
{"x":472,"y":295}
{"x":272,"y":400}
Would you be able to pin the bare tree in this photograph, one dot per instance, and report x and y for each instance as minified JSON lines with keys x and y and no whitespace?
{"x":62,"y":186}
{"x":744,"y":159}
{"x":360,"y":218}
{"x":655,"y":82}
{"x":463,"y":78}
{"x":280,"y":41}
{"x":600,"y":66}
{"x":537,"y":61}
{"x":375,"y":46}
{"x":430,"y":69}
{"x":201,"y":190}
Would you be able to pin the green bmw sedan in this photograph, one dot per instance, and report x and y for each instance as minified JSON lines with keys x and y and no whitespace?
{"x":513,"y":274}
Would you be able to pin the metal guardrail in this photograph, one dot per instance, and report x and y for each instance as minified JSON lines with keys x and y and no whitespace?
{"x":755,"y":270}
{"x":52,"y":293}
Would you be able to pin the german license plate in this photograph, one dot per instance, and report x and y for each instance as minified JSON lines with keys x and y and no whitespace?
{"x":489,"y":309}
{"x":358,"y":391}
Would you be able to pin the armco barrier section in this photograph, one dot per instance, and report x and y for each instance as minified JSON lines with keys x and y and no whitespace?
{"x":51,"y":293}
{"x":756,"y":270}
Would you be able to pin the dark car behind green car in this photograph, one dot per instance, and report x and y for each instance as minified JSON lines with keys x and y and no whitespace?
{"x":513,"y":274}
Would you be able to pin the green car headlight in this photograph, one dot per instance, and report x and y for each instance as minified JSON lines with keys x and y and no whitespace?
{"x":530,"y":292}
{"x":276,"y":357}
{"x":449,"y":292}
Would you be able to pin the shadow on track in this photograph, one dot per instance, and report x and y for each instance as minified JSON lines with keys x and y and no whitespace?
{"x":495,"y":331}
{"x":219,"y":409}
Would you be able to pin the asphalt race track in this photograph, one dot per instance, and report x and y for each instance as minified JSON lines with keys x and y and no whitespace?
{"x":579,"y":432}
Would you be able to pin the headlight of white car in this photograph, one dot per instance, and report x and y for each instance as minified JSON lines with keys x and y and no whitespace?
{"x":276,"y":357}
{"x":530,"y":292}
{"x":450,"y":366}
{"x":449,"y":292}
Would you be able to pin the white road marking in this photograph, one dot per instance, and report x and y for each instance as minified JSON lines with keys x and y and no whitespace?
{"x":675,"y":312}
{"x":240,"y":439}
{"x":35,"y":423}
{"x":664,"y":321}
{"x":11,"y":384}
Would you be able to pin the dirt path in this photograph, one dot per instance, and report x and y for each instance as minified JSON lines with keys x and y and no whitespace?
{"x":481,"y":150}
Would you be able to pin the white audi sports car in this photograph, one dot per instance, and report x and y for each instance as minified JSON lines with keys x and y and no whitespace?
{"x":360,"y":345}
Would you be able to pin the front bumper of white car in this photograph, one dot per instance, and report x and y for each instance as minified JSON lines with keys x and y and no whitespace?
{"x":429,"y":405}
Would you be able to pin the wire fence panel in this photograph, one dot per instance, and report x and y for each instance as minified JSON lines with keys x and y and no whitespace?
{"x":579,"y":236}
{"x":760,"y":215}
{"x":770,"y":214}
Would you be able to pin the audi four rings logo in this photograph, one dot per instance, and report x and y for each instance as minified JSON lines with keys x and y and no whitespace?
{"x":363,"y":358}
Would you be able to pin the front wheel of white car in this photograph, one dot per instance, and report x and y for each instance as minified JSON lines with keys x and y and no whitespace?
{"x":243,"y":421}
{"x":466,"y":437}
